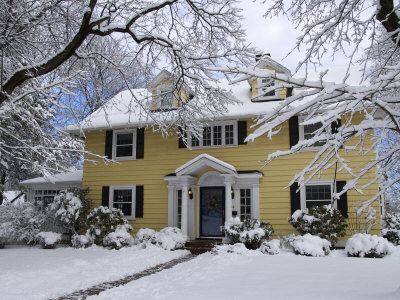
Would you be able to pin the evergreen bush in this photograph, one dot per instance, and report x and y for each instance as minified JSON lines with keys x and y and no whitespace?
{"x":48,"y":239}
{"x":392,"y":228}
{"x":251,"y":232}
{"x":103,"y":220}
{"x":323,"y":221}
{"x":367,"y":245}
{"x":119,"y":238}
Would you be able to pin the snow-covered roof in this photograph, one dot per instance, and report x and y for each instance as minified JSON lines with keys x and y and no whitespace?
{"x":202,"y":162}
{"x":61,"y":178}
{"x":122,"y":112}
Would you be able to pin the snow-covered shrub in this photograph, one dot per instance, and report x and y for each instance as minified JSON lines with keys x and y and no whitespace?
{"x":81,"y":241}
{"x":323,"y":221}
{"x":271,"y":247}
{"x":21,"y":222}
{"x":308,"y":245}
{"x":48,"y":239}
{"x":169,"y":238}
{"x":251,"y":232}
{"x":392,"y":228}
{"x":367,"y":245}
{"x":119,"y":238}
{"x":103,"y":220}
{"x":238,"y":248}
{"x":5,"y":233}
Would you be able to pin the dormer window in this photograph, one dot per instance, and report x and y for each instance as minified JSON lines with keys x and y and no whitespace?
{"x":264,"y":89}
{"x":165,"y":96}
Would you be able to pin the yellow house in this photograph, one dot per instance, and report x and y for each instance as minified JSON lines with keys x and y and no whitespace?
{"x":160,"y":181}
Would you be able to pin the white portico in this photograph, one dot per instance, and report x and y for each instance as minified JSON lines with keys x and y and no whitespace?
{"x":212,"y":197}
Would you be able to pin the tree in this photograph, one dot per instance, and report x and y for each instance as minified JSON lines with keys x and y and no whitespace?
{"x":44,"y":47}
{"x":332,"y":28}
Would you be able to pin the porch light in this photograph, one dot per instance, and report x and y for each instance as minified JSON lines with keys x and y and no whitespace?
{"x":190,"y":193}
{"x":232,"y":193}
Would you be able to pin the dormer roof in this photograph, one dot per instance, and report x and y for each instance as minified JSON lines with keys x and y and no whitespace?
{"x":163,"y":75}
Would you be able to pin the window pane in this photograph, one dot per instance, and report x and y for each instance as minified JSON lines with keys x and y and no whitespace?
{"x":124,"y":139}
{"x":318,"y":192}
{"x":125,"y":207}
{"x":207,"y":136}
{"x":124,"y":151}
{"x":166,"y":98}
{"x":228,"y":134}
{"x":267,"y":83}
{"x":217,"y":135}
{"x":309,"y":132}
{"x":317,"y":203}
{"x":179,"y":208}
{"x":195,"y":141}
{"x":122,"y":195}
{"x":245,"y":204}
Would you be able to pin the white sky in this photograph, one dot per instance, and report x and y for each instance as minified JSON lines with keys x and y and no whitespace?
{"x":276,"y":36}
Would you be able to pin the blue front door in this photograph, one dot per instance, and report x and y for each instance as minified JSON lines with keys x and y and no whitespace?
{"x":212,"y":208}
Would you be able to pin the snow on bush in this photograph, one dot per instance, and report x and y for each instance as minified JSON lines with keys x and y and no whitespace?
{"x":103,"y":220}
{"x":81,"y":241}
{"x":308,"y":245}
{"x":119,"y":238}
{"x":271,"y":247}
{"x":323,"y":221}
{"x":169,"y":238}
{"x":48,"y":239}
{"x":392,"y":228}
{"x":238,"y":249}
{"x":367,"y":245}
{"x":251,"y":232}
{"x":21,"y":222}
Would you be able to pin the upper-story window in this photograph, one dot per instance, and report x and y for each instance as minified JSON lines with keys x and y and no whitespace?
{"x":307,"y":132}
{"x":124,"y":144}
{"x":218,"y":134}
{"x":264,"y":90}
{"x":165,"y":96}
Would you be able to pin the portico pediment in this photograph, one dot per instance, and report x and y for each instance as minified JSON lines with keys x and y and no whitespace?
{"x":202,"y":162}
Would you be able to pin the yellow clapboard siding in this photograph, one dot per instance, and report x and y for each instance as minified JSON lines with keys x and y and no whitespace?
{"x":162,"y":156}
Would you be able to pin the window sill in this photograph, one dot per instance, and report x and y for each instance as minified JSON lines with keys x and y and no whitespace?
{"x":124,"y":158}
{"x":211,"y":147}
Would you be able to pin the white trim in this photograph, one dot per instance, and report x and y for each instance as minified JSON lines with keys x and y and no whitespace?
{"x":134,"y":142}
{"x":212,"y":124}
{"x":124,"y":187}
{"x":317,"y":182}
{"x":202,"y":162}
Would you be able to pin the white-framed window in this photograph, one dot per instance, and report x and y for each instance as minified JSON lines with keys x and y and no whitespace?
{"x":124,"y":144}
{"x":123,"y":197}
{"x":216,"y":134}
{"x":165,"y":96}
{"x":307,"y":132}
{"x":316,"y":193}
{"x":264,"y":84}
{"x":44,"y":197}
{"x":179,"y":208}
{"x":245,"y":204}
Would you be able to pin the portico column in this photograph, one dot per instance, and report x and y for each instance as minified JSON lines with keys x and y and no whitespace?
{"x":228,"y":197}
{"x":171,"y":206}
{"x":184,"y":221}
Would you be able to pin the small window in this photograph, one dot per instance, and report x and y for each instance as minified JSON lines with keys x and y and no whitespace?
{"x":122,"y":197}
{"x":264,"y":92}
{"x":179,"y":208}
{"x":316,"y":194}
{"x":245,"y":204}
{"x":307,"y":132}
{"x":45,"y":197}
{"x":124,"y":144}
{"x":165,"y":96}
{"x":218,"y":134}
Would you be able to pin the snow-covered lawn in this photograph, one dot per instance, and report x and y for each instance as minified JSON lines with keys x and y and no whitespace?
{"x":259,"y":276}
{"x":33,"y":273}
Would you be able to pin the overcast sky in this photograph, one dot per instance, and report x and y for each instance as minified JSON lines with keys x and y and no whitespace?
{"x":276,"y":36}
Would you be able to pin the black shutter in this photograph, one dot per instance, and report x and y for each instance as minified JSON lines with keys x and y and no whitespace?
{"x":242,"y":132}
{"x":181,"y":143}
{"x":105,"y":195}
{"x":293,"y":130}
{"x":342,"y":202}
{"x":289,"y":92}
{"x":139,"y":202}
{"x":140,"y":143}
{"x":294,"y":198}
{"x":109,"y":144}
{"x":335,"y":126}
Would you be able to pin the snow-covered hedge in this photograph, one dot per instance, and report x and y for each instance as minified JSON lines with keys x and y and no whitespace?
{"x":251,"y":232}
{"x":169,"y":238}
{"x":102,"y":220}
{"x":271,"y":247}
{"x":48,"y":239}
{"x":21,"y":222}
{"x":323,"y":221}
{"x":119,"y":238}
{"x":367,"y":245}
{"x":81,"y":241}
{"x":308,"y":245}
{"x":392,"y":228}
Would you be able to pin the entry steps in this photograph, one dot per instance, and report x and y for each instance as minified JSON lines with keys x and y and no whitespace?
{"x":199,"y":246}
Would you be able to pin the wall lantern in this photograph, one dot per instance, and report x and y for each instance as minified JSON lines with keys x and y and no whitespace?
{"x":190,"y":193}
{"x":232,"y":193}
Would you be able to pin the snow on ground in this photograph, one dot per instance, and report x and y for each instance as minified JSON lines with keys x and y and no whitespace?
{"x":259,"y":276}
{"x":33,"y":273}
